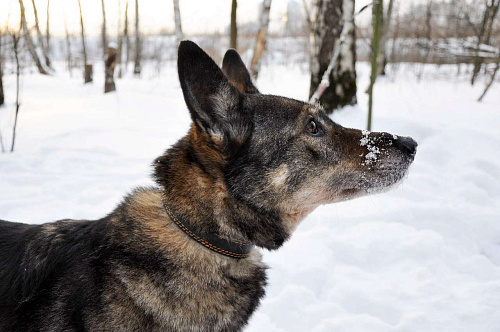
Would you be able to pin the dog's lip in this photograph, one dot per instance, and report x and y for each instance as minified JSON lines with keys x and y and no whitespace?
{"x":345,"y":193}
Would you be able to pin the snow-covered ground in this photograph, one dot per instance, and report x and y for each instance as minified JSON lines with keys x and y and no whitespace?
{"x":423,"y":257}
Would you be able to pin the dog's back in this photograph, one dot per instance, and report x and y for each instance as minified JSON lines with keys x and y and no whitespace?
{"x":32,"y":260}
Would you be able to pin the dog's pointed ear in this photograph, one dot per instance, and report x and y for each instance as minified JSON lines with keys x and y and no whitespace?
{"x":213,"y":102}
{"x":235,"y":70}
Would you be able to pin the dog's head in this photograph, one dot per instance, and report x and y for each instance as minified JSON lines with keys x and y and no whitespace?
{"x":277,"y":153}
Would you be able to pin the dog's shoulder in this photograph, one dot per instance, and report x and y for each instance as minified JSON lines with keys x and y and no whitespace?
{"x":13,"y":240}
{"x":31,"y":254}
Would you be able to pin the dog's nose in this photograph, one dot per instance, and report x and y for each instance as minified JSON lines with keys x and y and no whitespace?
{"x":406,"y":144}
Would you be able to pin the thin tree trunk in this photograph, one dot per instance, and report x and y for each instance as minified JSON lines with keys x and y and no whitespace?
{"x":428,"y":32}
{"x":383,"y":38}
{"x":15,"y":40}
{"x":379,"y":55}
{"x":39,"y":35}
{"x":47,"y":29}
{"x":489,"y":16}
{"x":260,"y":43}
{"x":233,"y":41}
{"x":1,"y":142}
{"x":334,"y":32}
{"x":178,"y":25}
{"x":377,"y":22}
{"x":137,"y":63}
{"x":126,"y":37}
{"x":120,"y":40}
{"x":104,"y":38}
{"x":68,"y":48}
{"x":88,"y":70}
{"x":29,"y":42}
{"x":2,"y":97}
{"x":392,"y":56}
{"x":109,"y":82}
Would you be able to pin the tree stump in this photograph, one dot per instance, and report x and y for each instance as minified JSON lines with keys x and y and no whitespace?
{"x":88,"y":73}
{"x":109,"y":81}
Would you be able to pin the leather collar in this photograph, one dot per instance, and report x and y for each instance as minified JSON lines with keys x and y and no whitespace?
{"x":234,"y":249}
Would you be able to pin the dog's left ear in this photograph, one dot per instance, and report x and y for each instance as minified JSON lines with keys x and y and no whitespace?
{"x":236,"y":72}
{"x":215,"y":105}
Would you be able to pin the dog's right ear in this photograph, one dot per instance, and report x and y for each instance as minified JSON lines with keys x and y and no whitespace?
{"x":235,"y":70}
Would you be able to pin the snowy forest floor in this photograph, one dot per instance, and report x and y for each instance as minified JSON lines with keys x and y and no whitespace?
{"x":422,"y":257}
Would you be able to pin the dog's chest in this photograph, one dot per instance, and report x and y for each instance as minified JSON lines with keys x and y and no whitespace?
{"x":195,"y":299}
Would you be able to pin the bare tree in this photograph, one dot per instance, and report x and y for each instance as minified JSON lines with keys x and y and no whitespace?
{"x":484,"y":35}
{"x":377,"y":25}
{"x":233,"y":41}
{"x":178,"y":25}
{"x":392,"y":56}
{"x":386,"y":23}
{"x":260,"y":43}
{"x":2,"y":96}
{"x":109,"y":82}
{"x":104,"y":38}
{"x":332,"y":16}
{"x":69,"y":60}
{"x":428,"y":36}
{"x":29,"y":42}
{"x":41,"y":42}
{"x":15,"y":46}
{"x":88,"y":69}
{"x":47,"y":29}
{"x":126,"y":37}
{"x":120,"y":40}
{"x":137,"y":62}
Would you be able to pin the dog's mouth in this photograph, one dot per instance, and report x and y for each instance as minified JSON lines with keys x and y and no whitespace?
{"x":374,"y":180}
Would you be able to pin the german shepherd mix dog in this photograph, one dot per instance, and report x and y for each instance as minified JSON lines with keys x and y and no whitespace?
{"x":181,"y":257}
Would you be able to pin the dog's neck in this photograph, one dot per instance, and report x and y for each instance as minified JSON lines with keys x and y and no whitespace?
{"x":198,"y":193}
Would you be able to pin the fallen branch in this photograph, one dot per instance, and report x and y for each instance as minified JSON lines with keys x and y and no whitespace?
{"x":490,"y":83}
{"x":325,"y":80}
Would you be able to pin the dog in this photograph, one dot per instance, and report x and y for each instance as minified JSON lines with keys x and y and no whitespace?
{"x":183,"y":256}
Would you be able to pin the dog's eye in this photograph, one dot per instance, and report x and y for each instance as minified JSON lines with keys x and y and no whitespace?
{"x":312,"y":127}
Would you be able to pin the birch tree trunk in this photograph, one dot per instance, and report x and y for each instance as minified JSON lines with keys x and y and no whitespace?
{"x":88,"y":70}
{"x":260,"y":43}
{"x":377,"y":25}
{"x":41,"y":42}
{"x":126,"y":37}
{"x":384,"y":35}
{"x":68,"y":48}
{"x":2,"y":97}
{"x":178,"y":25}
{"x":104,"y":38}
{"x":120,"y":40}
{"x":29,"y":41}
{"x":484,"y":36}
{"x":137,"y":64}
{"x":331,"y":16}
{"x":47,"y":29}
{"x":233,"y":40}
{"x":15,"y":42}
